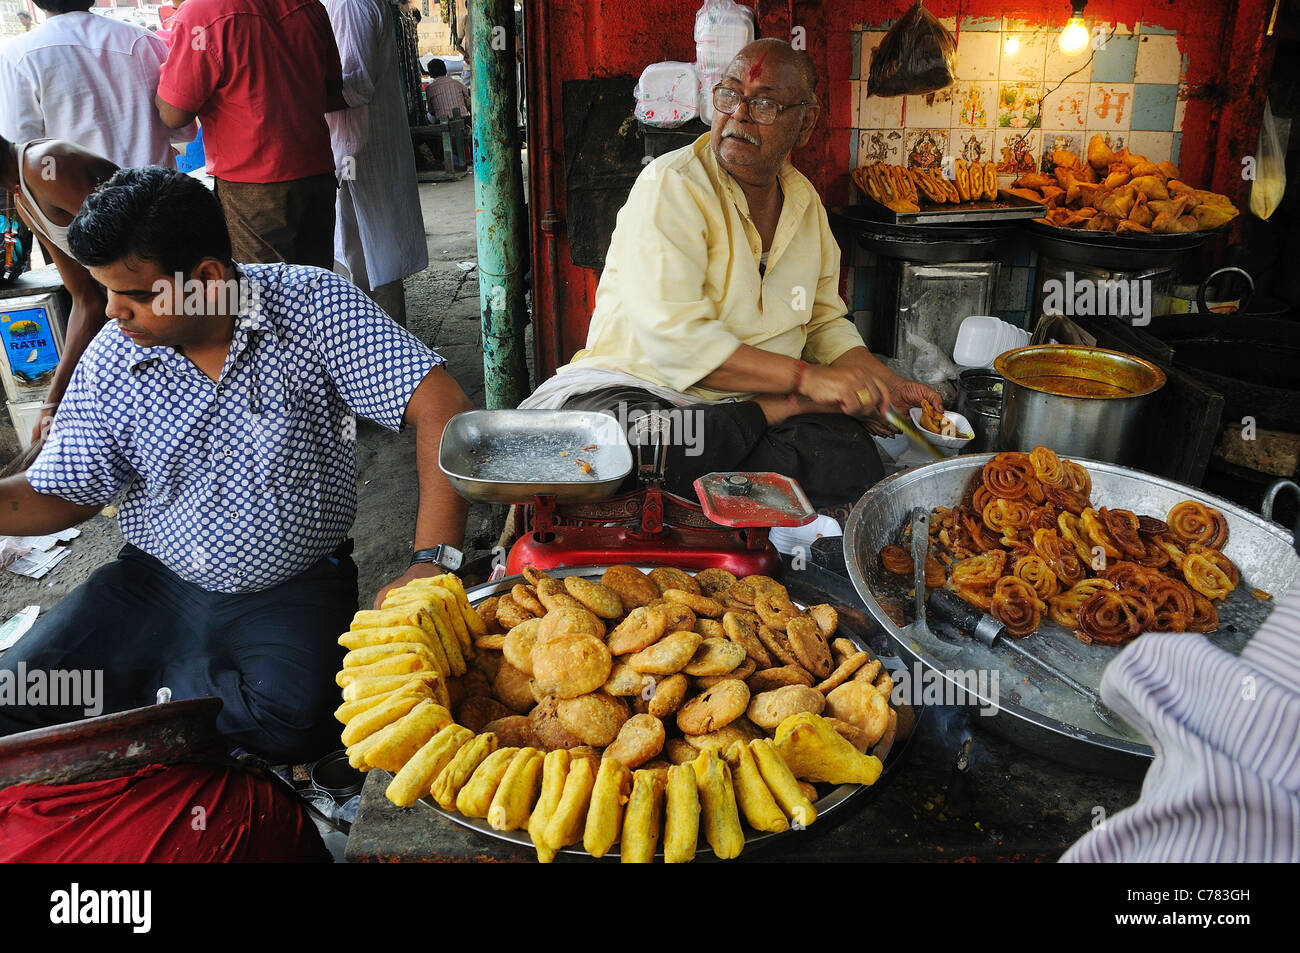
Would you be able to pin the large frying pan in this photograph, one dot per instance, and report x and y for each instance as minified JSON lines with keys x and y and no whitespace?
{"x":1031,"y":708}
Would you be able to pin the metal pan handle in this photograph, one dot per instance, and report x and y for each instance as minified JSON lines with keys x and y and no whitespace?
{"x":1203,"y":307}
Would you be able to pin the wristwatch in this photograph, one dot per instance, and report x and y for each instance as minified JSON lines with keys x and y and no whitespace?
{"x":445,"y":557}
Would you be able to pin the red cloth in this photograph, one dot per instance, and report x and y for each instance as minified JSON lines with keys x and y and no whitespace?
{"x":256,"y":73}
{"x":151,"y":815}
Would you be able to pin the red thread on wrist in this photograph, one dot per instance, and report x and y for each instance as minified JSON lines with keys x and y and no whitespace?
{"x":798,"y":377}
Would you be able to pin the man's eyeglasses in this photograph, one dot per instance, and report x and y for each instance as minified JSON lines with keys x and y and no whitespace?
{"x":762,"y":111}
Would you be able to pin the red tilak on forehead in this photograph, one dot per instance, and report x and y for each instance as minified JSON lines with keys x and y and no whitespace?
{"x":757,"y":68}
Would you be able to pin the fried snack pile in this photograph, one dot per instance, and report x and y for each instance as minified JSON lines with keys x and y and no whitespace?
{"x":1029,"y":543}
{"x":632,"y":710}
{"x":1121,"y":192}
{"x":900,"y":189}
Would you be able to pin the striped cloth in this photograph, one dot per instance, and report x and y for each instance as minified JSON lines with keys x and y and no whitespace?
{"x":1225,"y":783}
{"x":446,"y":94}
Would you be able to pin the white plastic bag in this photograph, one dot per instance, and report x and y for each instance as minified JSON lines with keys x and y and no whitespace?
{"x":667,"y":95}
{"x":722,"y":29}
{"x":1270,"y":168}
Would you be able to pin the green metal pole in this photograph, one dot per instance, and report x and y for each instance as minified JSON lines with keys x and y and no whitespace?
{"x":498,"y":183}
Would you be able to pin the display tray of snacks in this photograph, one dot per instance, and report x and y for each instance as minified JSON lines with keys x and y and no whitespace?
{"x":621,"y":712}
{"x":1074,"y":559}
{"x":1122,"y":195}
{"x":899,"y":195}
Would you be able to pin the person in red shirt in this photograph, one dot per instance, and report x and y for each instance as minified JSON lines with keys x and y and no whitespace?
{"x":260,"y":76}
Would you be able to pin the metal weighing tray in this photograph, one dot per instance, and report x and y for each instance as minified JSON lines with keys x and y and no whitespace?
{"x":830,"y":807}
{"x":510,"y":456}
{"x":1005,"y":208}
{"x":1036,"y":711}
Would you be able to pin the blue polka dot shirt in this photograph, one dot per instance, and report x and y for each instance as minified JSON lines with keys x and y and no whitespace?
{"x":240,"y":483}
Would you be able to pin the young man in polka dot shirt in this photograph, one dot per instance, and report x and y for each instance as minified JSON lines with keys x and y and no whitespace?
{"x":217,"y":404}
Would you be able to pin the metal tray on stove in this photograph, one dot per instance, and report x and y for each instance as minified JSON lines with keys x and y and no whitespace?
{"x":1005,"y":208}
{"x":1037,"y":711}
{"x":510,"y":456}
{"x":831,"y":807}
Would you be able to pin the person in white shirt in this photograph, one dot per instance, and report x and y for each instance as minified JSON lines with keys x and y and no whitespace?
{"x":379,"y":238}
{"x":90,"y":80}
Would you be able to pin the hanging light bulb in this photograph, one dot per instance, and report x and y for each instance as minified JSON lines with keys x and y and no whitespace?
{"x":1074,"y":38}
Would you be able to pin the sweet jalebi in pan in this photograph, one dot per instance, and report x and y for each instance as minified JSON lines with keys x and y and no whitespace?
{"x":1203,"y":575}
{"x":1113,"y":617}
{"x":1034,"y":570}
{"x":1016,"y":606}
{"x":982,"y":570}
{"x":1172,"y":605}
{"x":1193,"y":522}
{"x":1150,"y":526}
{"x":1061,"y":498}
{"x":1123,"y":528}
{"x":1099,"y":535}
{"x":1206,"y":617}
{"x":979,"y":596}
{"x":895,"y":559}
{"x":1078,"y":480}
{"x":1129,"y":575}
{"x":1002,"y":515}
{"x":1064,"y":608}
{"x":1171,"y":549}
{"x":1223,"y":562}
{"x":1048,"y":467}
{"x":1010,"y":475}
{"x":1153,"y":557}
{"x":979,"y":538}
{"x":1072,"y":531}
{"x":1060,"y":555}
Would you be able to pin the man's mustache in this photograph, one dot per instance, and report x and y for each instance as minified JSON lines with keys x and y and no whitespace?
{"x":739,"y":134}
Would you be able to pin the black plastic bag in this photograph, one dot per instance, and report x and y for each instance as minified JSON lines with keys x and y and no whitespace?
{"x":918,"y":55}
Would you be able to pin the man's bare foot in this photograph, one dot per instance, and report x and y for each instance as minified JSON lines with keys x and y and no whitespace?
{"x":778,"y":408}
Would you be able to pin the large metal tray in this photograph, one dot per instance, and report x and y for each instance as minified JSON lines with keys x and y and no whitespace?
{"x":1005,"y":208}
{"x":1034,"y":709}
{"x":830,"y":808}
{"x":510,"y":456}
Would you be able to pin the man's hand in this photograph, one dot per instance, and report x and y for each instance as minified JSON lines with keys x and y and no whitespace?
{"x":417,"y":571}
{"x":909,"y":394}
{"x":855,"y":390}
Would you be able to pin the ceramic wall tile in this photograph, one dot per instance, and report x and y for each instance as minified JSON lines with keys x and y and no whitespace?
{"x":1023,"y":58}
{"x":1177,"y":148}
{"x":855,"y":43}
{"x":867,"y":45}
{"x":1148,"y":29}
{"x":1077,"y":68}
{"x":1158,"y":60}
{"x":1066,"y":108}
{"x":1017,"y":151}
{"x":977,"y":55}
{"x":878,"y":112}
{"x":1116,"y":61}
{"x":1069,"y":141}
{"x":974,"y":105}
{"x":925,"y":148}
{"x":1180,"y":108}
{"x":933,"y":110}
{"x":855,"y":103}
{"x":1110,"y":106}
{"x":1156,"y":146}
{"x":981,"y":24}
{"x":880,"y":145}
{"x":973,"y":145}
{"x":1019,"y":105}
{"x":1154,"y":106}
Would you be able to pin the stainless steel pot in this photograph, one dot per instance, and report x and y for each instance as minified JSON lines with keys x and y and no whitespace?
{"x":1079,"y":401}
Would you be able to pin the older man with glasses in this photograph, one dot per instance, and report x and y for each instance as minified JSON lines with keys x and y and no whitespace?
{"x":720,"y":295}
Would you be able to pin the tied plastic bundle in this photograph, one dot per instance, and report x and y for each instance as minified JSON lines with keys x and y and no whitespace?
{"x":667,"y":95}
{"x":722,"y":29}
{"x":917,"y":56}
{"x":1270,"y":171}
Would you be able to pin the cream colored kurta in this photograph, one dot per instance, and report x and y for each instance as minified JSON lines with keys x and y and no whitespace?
{"x":681,"y":289}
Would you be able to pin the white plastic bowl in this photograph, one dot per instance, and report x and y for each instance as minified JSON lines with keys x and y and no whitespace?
{"x":950,"y":446}
{"x":981,"y":338}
